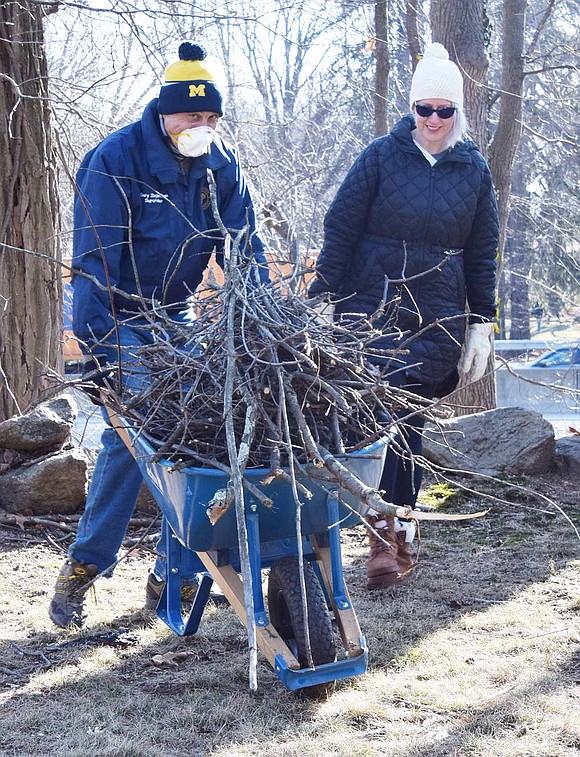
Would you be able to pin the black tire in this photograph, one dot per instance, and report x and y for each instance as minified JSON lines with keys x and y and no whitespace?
{"x":285,"y":608}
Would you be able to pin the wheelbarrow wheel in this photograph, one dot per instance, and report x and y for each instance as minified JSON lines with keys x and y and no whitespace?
{"x":287,"y":617}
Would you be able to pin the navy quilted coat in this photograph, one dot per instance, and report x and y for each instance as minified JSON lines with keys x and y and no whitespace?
{"x":397,"y":217}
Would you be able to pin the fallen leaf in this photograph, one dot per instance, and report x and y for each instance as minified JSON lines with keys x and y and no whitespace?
{"x":170,"y":659}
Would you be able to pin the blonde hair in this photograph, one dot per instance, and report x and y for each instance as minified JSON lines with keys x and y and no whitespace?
{"x":460,"y":127}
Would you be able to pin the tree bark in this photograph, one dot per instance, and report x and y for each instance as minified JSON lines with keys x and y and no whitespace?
{"x":507,"y":135}
{"x":517,"y":256}
{"x":382,"y":68}
{"x":413,"y":37}
{"x":461,"y":26}
{"x":30,"y":274}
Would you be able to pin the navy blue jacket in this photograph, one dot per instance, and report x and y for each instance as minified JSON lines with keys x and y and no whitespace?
{"x":397,"y":217}
{"x":139,"y":222}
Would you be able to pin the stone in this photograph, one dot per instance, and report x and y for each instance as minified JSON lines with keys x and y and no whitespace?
{"x":146,"y":503}
{"x":53,"y":484}
{"x":568,"y":456}
{"x":65,"y":406}
{"x":44,"y":429}
{"x":508,"y":440}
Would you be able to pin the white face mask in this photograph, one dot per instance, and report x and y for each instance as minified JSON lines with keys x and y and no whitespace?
{"x":194,"y":142}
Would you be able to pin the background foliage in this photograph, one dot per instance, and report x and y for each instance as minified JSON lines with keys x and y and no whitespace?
{"x":303,"y":99}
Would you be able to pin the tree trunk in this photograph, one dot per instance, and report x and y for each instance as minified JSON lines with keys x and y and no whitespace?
{"x":413,"y":37}
{"x":461,"y":26}
{"x":517,"y":256}
{"x":519,"y":289}
{"x":507,"y":135}
{"x":382,"y":68}
{"x":30,"y":274}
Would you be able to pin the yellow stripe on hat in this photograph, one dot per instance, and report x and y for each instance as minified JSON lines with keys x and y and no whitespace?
{"x":187,"y":70}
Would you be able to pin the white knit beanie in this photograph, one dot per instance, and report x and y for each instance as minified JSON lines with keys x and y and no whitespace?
{"x":436,"y":77}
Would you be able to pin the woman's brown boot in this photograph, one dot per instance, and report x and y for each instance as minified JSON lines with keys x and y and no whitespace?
{"x":382,"y":567}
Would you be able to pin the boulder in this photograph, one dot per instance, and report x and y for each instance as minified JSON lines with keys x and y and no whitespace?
{"x":57,"y":483}
{"x":146,"y":503}
{"x":44,"y":429}
{"x":65,"y":406}
{"x":568,"y":456}
{"x":509,"y":440}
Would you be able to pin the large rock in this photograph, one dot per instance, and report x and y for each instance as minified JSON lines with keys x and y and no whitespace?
{"x":146,"y":503}
{"x":65,"y":406}
{"x":509,"y":440}
{"x":43,"y":429}
{"x":568,"y":456}
{"x":57,"y":483}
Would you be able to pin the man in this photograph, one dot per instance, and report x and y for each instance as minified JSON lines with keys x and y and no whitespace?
{"x":144,"y":233}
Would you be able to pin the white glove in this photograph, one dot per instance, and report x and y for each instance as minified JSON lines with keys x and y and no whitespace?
{"x":324,"y":312}
{"x":477,"y":350}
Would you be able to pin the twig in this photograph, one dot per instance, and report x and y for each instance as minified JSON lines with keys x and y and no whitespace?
{"x":40,"y":654}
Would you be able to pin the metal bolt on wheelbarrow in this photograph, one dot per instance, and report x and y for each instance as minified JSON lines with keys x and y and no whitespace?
{"x":196,"y":546}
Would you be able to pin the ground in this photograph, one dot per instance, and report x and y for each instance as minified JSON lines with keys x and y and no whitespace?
{"x":478,"y":655}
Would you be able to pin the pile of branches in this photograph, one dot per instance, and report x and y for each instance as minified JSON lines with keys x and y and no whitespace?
{"x":261,"y":361}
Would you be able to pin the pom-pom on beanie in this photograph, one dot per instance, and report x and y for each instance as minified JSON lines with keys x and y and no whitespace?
{"x":436,"y":77}
{"x":190,"y":84}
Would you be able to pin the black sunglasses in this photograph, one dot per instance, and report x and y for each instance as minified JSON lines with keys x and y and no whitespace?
{"x":426,"y":110}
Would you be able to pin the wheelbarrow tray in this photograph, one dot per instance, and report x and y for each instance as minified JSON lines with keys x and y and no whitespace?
{"x":184,"y":495}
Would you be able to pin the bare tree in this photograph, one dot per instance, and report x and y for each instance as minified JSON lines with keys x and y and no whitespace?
{"x":540,"y":263}
{"x":509,"y":127}
{"x":412,"y":29}
{"x":293,"y":77}
{"x":461,"y":26}
{"x":30,"y":275}
{"x":382,"y":67}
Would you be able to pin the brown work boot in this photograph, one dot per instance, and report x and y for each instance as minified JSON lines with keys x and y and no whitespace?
{"x":155,"y":586}
{"x":66,"y":607}
{"x":383,"y":570}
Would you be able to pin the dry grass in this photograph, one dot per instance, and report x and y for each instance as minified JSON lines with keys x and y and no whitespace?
{"x":479,"y":656}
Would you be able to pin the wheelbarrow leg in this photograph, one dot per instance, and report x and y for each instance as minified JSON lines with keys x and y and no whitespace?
{"x":253,"y":530}
{"x":169,"y":607}
{"x":330,"y":562}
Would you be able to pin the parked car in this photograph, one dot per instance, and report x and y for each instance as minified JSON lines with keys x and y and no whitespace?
{"x":562,"y":357}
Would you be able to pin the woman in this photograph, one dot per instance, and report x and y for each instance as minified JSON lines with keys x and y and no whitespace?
{"x":415,"y":222}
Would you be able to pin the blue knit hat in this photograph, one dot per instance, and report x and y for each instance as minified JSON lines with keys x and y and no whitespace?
{"x":190,"y":84}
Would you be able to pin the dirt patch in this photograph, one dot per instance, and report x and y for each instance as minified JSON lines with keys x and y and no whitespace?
{"x":478,"y":655}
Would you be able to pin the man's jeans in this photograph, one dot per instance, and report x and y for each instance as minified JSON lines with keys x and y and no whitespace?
{"x":116,"y":479}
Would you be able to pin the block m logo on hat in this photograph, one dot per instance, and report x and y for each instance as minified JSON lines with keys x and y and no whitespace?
{"x":190,"y":84}
{"x":197,"y":90}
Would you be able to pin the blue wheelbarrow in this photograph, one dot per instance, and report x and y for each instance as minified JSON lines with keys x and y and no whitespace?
{"x":303,"y":655}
